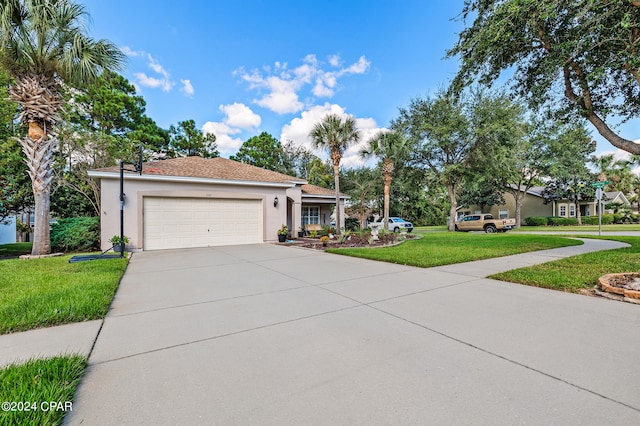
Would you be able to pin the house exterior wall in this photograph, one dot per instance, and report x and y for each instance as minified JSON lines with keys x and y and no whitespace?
{"x":325,"y":208}
{"x":8,"y":231}
{"x":136,"y":190}
{"x":531,"y":206}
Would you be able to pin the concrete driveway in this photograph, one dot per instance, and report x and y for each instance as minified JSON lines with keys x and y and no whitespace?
{"x":274,"y":335}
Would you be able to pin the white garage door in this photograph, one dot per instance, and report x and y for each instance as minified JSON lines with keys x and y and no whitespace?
{"x":200,"y":222}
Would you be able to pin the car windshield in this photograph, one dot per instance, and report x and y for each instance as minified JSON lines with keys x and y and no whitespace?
{"x":396,"y":219}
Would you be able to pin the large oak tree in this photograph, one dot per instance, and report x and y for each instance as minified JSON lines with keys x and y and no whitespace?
{"x":580,"y":57}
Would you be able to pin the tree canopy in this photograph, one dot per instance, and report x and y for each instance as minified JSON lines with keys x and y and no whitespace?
{"x":578,"y":57}
{"x":187,"y":140}
{"x":263,"y":151}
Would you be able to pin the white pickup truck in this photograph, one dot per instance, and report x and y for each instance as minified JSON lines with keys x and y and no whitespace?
{"x":396,"y":224}
{"x":484,"y":222}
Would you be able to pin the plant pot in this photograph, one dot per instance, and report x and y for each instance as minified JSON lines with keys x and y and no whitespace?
{"x":118,"y":248}
{"x":282,"y":238}
{"x":300,"y":234}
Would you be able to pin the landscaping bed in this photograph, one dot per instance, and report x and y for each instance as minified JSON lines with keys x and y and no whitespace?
{"x":351,"y":241}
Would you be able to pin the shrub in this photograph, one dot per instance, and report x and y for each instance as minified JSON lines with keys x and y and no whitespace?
{"x":535,"y":221}
{"x":352,"y":224}
{"x":562,"y":221}
{"x":607,"y":219}
{"x":590,"y":220}
{"x":76,"y":234}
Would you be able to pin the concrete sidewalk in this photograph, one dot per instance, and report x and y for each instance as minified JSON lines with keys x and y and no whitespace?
{"x":275,"y":335}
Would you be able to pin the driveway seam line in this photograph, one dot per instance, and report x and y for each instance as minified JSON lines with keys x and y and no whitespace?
{"x":166,"y":308}
{"x":205,"y":339}
{"x":504,"y":358}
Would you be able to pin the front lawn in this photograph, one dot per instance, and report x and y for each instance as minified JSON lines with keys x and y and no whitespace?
{"x":14,"y":250}
{"x":443,"y":248}
{"x":39,"y":392}
{"x":578,"y":272}
{"x":51,"y":291}
{"x":582,"y":228}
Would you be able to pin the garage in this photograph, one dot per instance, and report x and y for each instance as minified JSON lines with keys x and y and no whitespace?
{"x":172,"y":222}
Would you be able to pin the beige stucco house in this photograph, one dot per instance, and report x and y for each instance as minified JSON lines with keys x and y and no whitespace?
{"x":533,"y":205}
{"x":198,"y":202}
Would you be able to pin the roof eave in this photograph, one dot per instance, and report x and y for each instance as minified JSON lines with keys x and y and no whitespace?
{"x":189,"y":179}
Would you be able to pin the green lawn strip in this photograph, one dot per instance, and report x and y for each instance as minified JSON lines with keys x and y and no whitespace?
{"x":578,"y":272}
{"x":39,"y":383}
{"x":446,"y":248}
{"x":51,"y":291}
{"x":581,"y":228}
{"x":14,"y":250}
{"x":424,"y":229}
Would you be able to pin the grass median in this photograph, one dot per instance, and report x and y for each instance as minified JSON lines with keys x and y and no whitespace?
{"x":578,"y":272}
{"x":39,"y":392}
{"x":443,"y":248}
{"x":51,"y":291}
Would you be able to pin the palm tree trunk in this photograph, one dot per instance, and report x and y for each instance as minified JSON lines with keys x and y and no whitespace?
{"x":336,"y":179}
{"x":387,"y":190}
{"x":39,"y":154}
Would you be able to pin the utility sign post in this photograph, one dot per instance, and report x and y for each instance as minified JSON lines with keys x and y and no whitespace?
{"x":599,"y":191}
{"x":599,"y":198}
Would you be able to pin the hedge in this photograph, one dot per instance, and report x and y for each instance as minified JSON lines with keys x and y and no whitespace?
{"x":562,"y":221}
{"x":76,"y":234}
{"x":535,"y":221}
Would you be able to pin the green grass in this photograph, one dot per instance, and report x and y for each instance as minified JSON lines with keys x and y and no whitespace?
{"x":39,"y":382}
{"x":578,"y":272}
{"x":14,"y":250}
{"x":51,"y":291}
{"x":445,"y":248}
{"x":582,"y":228}
{"x":424,"y":229}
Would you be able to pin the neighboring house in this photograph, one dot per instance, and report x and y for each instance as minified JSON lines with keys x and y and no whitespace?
{"x":197,"y":202}
{"x":533,"y":205}
{"x":8,"y":231}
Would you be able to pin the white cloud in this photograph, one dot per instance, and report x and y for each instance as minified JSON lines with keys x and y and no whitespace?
{"x":227,"y":144}
{"x":239,"y":115}
{"x":130,"y":52}
{"x":283,"y":85}
{"x":187,"y":88}
{"x":162,"y":81}
{"x":297,"y":131}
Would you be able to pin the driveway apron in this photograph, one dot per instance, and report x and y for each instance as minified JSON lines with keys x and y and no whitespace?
{"x":266,"y":334}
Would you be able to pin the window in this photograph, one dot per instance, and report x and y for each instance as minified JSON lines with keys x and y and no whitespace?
{"x":478,"y":212}
{"x":572,"y":210}
{"x":503,"y":214}
{"x":587,"y":211}
{"x":563,"y":210}
{"x":310,"y":215}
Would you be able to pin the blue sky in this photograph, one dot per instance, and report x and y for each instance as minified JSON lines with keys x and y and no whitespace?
{"x":241,"y":67}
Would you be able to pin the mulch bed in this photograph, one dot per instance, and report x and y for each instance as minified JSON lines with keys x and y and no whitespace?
{"x":353,"y":240}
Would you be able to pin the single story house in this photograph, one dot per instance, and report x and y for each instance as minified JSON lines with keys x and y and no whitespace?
{"x":198,"y":202}
{"x":534,"y":205}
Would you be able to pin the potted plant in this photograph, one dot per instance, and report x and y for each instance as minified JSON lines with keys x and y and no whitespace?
{"x":301,"y":232}
{"x":118,"y":245}
{"x":282,"y":233}
{"x":324,"y":239}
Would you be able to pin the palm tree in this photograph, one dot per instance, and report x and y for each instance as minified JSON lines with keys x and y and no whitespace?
{"x":43,"y":45}
{"x":392,"y":148}
{"x":336,"y":136}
